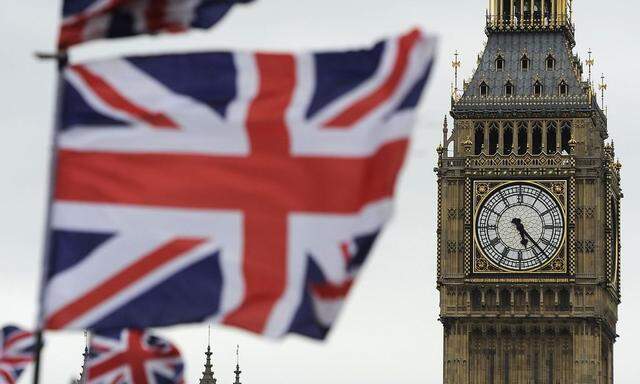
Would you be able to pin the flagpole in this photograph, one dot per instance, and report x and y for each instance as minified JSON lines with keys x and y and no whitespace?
{"x":62,"y":60}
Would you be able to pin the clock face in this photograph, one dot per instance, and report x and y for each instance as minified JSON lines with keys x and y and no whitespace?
{"x":520,"y":227}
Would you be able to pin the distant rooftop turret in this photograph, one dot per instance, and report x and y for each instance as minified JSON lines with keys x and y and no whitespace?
{"x":207,"y":375}
{"x":237,"y":371}
{"x":85,"y":357}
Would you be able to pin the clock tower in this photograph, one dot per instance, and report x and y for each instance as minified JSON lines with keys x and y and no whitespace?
{"x":528,"y":210}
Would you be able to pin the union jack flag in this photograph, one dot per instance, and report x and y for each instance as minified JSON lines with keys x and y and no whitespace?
{"x":241,"y":188}
{"x":85,"y":20}
{"x":133,"y":357}
{"x":17,"y":349}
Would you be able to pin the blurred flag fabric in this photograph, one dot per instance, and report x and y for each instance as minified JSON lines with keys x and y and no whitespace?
{"x":17,"y":351}
{"x":244,"y":188}
{"x":133,"y":357}
{"x":85,"y":20}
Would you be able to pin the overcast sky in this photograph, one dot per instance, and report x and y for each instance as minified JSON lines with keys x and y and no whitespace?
{"x":389,"y":331}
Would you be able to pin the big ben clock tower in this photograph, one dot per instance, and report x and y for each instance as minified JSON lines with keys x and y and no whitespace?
{"x":528,"y":211}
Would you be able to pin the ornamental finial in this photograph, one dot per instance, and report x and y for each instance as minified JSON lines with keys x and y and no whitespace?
{"x":590,"y":62}
{"x":456,"y":65}
{"x":208,"y":374}
{"x":603,"y":87}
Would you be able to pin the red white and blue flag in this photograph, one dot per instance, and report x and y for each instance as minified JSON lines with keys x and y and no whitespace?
{"x":241,"y":188}
{"x":133,"y":357}
{"x":17,"y":350}
{"x":85,"y":20}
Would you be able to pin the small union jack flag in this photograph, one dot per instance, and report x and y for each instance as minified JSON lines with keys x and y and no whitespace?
{"x":133,"y":357}
{"x":17,"y":349}
{"x":85,"y":20}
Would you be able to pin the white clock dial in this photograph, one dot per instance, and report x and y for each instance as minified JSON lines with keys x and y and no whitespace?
{"x":520,"y":227}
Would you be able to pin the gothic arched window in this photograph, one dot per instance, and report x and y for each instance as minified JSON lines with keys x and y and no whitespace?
{"x":509,"y":89}
{"x":500,"y":63}
{"x":527,"y":11}
{"x":523,"y":146}
{"x":550,"y":367}
{"x":552,"y":134}
{"x":564,"y":300}
{"x":507,"y":139}
{"x":547,"y":11}
{"x":549,"y":298}
{"x":550,"y":63}
{"x":537,"y":10}
{"x":538,"y":88}
{"x":506,"y":11}
{"x":505,"y":299}
{"x":525,"y":63}
{"x":534,"y":300}
{"x":494,"y":139}
{"x":476,"y":299}
{"x":490,"y":299}
{"x":536,"y":136}
{"x":484,"y":89}
{"x":479,"y":138}
{"x":563,"y":88}
{"x":565,"y":134}
{"x":517,"y":10}
{"x":520,"y":300}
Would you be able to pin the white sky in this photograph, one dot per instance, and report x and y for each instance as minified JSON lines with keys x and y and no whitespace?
{"x":389,"y":330}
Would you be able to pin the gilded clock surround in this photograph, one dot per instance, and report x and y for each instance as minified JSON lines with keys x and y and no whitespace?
{"x":557,"y":264}
{"x":544,"y":326}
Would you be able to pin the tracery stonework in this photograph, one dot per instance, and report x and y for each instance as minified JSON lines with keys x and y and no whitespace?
{"x":529,"y":211}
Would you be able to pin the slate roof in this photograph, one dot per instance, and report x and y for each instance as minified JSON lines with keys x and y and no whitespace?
{"x":537,"y":45}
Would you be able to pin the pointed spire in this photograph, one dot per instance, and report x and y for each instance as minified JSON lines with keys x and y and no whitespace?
{"x":456,"y":65}
{"x":207,"y":374}
{"x":445,"y":131}
{"x":237,"y":371}
{"x":83,"y":375}
{"x":85,"y":358}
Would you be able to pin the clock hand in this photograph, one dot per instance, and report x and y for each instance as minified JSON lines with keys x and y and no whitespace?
{"x":535,"y":243}
{"x":525,"y":235}
{"x":520,"y":227}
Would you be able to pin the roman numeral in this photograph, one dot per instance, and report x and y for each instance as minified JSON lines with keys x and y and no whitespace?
{"x":537,"y":197}
{"x":538,"y":254}
{"x":552,"y":226}
{"x":545,"y":241}
{"x":504,"y":199}
{"x":495,"y":241}
{"x":520,"y":195}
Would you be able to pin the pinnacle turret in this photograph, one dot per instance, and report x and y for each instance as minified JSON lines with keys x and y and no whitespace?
{"x":237,"y":371}
{"x":83,"y":375}
{"x":207,"y":375}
